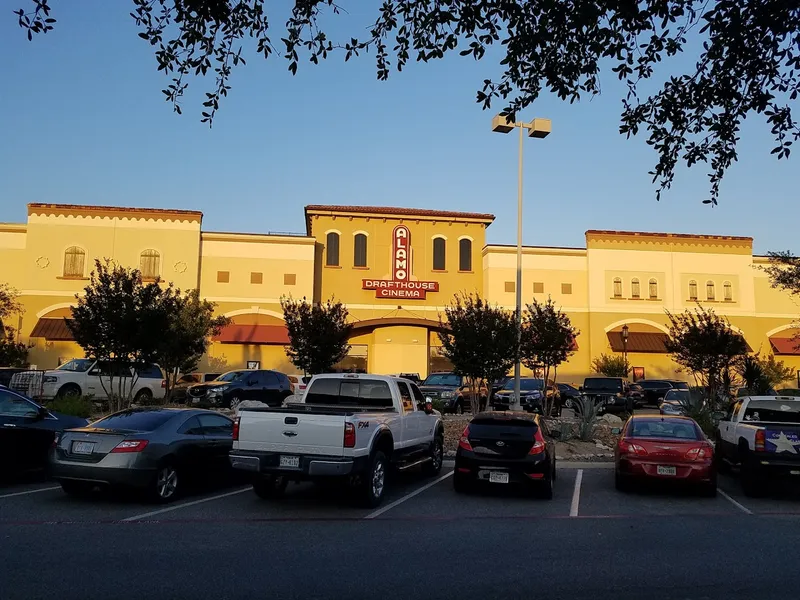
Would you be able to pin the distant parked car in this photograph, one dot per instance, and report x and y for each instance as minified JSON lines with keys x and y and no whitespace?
{"x":179,"y":390}
{"x":569,"y":394}
{"x":27,"y":430}
{"x":636,"y":393}
{"x":675,"y":402}
{"x":531,"y":394}
{"x":656,"y":389}
{"x":231,"y":388}
{"x":298,"y":386}
{"x":159,"y":450}
{"x":610,"y":394}
{"x":453,"y":391}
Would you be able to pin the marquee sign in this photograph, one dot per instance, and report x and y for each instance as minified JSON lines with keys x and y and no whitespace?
{"x":400,"y":285}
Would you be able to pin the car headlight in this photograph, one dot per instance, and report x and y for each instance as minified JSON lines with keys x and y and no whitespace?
{"x":50,"y":379}
{"x":447,"y":394}
{"x":428,"y":399}
{"x":216,"y":391}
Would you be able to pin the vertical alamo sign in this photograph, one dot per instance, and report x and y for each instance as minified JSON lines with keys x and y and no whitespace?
{"x":400,"y":285}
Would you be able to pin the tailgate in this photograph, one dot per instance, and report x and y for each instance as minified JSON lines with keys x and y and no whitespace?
{"x":291,"y":433}
{"x":783,"y":440}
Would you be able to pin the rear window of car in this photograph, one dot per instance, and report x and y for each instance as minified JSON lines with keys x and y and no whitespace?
{"x":502,"y":427}
{"x":350,"y":392}
{"x":773,"y":411}
{"x":678,"y":429}
{"x":135,"y":420}
{"x":607,"y":385}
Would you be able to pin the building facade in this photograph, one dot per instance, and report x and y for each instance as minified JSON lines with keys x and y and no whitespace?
{"x":395,"y":269}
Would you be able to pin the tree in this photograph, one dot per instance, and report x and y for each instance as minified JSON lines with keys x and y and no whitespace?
{"x":119,"y":321}
{"x":186,"y":340}
{"x":761,"y":375}
{"x":784,"y":274}
{"x":705,"y":344}
{"x":745,"y":57}
{"x":12,"y":352}
{"x":480,"y":340}
{"x":611,"y":366}
{"x":548,"y":339}
{"x":318,"y":334}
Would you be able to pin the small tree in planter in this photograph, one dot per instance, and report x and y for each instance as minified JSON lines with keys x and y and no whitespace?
{"x":548,"y":339}
{"x":12,"y":353}
{"x":611,"y":366}
{"x":318,"y":334}
{"x":480,"y":340}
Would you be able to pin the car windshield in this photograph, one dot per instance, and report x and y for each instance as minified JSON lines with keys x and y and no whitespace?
{"x":135,"y":420}
{"x":677,"y":396}
{"x":524,"y":384}
{"x":603,"y":384}
{"x":450,"y":379}
{"x":678,"y":429}
{"x":77,"y":365}
{"x":231,"y":376}
{"x":773,"y":411}
{"x":680,"y":385}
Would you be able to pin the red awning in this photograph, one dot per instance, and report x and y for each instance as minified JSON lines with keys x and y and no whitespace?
{"x":54,"y":330}
{"x":785,"y":345}
{"x":254,"y":334}
{"x":638,"y":341}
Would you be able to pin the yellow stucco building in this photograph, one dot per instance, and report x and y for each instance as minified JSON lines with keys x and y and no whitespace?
{"x":395,"y":269}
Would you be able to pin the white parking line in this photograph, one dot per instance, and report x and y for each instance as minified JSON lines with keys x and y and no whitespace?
{"x":380,"y":511}
{"x":741,"y":507}
{"x":36,"y":491}
{"x":185,"y":504}
{"x":576,"y":494}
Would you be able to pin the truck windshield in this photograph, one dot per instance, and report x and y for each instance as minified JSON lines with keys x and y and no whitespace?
{"x":449,"y":379}
{"x":773,"y":411}
{"x":77,"y":365}
{"x":602,"y":384}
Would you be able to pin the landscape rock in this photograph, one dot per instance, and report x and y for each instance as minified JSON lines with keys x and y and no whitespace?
{"x":611,"y":419}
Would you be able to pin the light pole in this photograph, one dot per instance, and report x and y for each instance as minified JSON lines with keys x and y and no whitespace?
{"x":625,"y":345}
{"x":538,"y":128}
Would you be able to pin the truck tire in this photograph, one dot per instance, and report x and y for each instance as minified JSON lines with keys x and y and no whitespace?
{"x":144,"y":397}
{"x":270,"y":486}
{"x":69,"y":389}
{"x":434,"y":465}
{"x":373,"y":481}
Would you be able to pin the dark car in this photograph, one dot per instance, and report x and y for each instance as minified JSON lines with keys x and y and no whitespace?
{"x":532,"y":398}
{"x":636,"y":393}
{"x":655,"y":390}
{"x":501,"y":449}
{"x":180,"y":389}
{"x":569,"y":394}
{"x":452,"y":390}
{"x":158,"y":450}
{"x":610,"y":394}
{"x":233,"y":387}
{"x":27,"y":431}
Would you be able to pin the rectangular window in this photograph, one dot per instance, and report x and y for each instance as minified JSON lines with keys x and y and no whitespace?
{"x":256,"y":277}
{"x":510,"y":287}
{"x":439,"y":254}
{"x":566,"y":288}
{"x":289,"y":279}
{"x":538,"y":287}
{"x":360,"y":250}
{"x":223,"y":276}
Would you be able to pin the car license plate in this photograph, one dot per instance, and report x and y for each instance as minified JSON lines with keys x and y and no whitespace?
{"x":794,"y":472}
{"x":496,"y":477}
{"x":82,"y":447}
{"x":289,"y":462}
{"x":195,"y":400}
{"x":666,"y":470}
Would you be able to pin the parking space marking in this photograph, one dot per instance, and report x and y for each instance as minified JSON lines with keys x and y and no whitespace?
{"x":576,"y":494}
{"x":184,"y":505}
{"x":408,"y":496}
{"x":741,"y":507}
{"x":36,"y":491}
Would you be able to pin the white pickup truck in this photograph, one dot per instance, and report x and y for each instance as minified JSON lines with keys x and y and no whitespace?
{"x":762,"y":435}
{"x":350,"y":427}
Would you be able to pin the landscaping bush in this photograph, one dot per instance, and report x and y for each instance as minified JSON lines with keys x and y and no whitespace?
{"x":75,"y":406}
{"x":587,"y":415}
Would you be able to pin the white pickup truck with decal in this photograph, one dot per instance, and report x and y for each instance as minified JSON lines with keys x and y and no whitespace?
{"x":349,"y":426}
{"x":761,"y":434}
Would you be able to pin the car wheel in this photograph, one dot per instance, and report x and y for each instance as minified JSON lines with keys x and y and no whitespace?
{"x":76,"y":488}
{"x":545,"y":488}
{"x":459,"y":409}
{"x":165,"y":486}
{"x":70,"y":389}
{"x":568,"y":403}
{"x":235,"y":401}
{"x":373,"y":484}
{"x":143,"y":396}
{"x":620,"y":483}
{"x":461,"y":483}
{"x":434,"y":465}
{"x":709,"y":490}
{"x":270,"y":487}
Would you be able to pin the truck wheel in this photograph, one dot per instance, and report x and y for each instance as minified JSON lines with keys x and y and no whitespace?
{"x":373,"y":483}
{"x":143,"y":396}
{"x":70,"y":389}
{"x":434,"y":465}
{"x":270,"y":487}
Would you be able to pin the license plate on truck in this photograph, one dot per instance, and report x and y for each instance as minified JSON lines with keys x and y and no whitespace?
{"x":666,"y":470}
{"x":289,"y":462}
{"x":82,"y":447}
{"x":497,"y":477}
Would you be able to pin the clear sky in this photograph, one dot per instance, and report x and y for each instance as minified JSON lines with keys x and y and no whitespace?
{"x":83,"y":120}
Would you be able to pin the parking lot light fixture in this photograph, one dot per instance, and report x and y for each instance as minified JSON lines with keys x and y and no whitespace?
{"x":538,"y":128}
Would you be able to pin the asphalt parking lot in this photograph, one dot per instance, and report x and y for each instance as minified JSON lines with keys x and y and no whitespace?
{"x":421,"y":536}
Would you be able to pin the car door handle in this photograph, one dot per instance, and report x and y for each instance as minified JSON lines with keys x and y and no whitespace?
{"x":9,"y":425}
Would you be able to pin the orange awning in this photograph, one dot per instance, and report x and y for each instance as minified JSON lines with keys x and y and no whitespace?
{"x":253,"y":334}
{"x":785,"y":345}
{"x":54,"y":330}
{"x":638,"y":341}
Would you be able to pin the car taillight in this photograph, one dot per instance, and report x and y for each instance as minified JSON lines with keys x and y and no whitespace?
{"x":163,"y":383}
{"x":538,"y":443}
{"x":700,"y":453}
{"x":349,"y":435}
{"x":630,"y":448}
{"x":760,"y":440}
{"x":56,"y":437}
{"x":130,"y":446}
{"x":463,"y":443}
{"x":236,"y":429}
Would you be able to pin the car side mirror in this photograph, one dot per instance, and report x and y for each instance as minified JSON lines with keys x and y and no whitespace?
{"x":42,"y":413}
{"x":616,"y":430}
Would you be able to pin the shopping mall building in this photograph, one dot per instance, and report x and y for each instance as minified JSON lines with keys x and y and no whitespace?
{"x":395,"y":269}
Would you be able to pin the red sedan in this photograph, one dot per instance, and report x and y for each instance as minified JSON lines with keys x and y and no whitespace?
{"x":665,"y":448}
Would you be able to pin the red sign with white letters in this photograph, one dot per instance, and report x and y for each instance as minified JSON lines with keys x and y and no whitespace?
{"x":400,"y":285}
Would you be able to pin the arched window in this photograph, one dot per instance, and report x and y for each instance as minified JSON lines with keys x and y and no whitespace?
{"x":617,"y":287}
{"x":710,"y":295}
{"x":74,"y":262}
{"x":360,"y":250}
{"x":692,"y":290}
{"x":332,"y":249}
{"x":150,"y":264}
{"x":636,"y":291}
{"x":653,"y":289}
{"x":439,"y":254}
{"x":465,"y":254}
{"x":727,"y":290}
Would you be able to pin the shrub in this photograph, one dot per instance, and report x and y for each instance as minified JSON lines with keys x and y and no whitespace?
{"x":587,"y":415}
{"x":611,"y":366}
{"x":75,"y":406}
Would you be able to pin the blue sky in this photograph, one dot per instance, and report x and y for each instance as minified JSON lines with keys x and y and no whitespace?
{"x":83,"y":120}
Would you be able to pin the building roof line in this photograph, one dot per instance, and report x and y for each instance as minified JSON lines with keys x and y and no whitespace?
{"x":668,"y":235}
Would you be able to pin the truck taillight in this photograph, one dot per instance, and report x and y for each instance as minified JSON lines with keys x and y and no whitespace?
{"x":164,"y":383}
{"x":760,"y":440}
{"x":236,"y":429}
{"x":463,"y":443}
{"x":349,"y":435}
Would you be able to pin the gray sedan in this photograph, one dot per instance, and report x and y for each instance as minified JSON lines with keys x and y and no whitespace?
{"x":158,"y":450}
